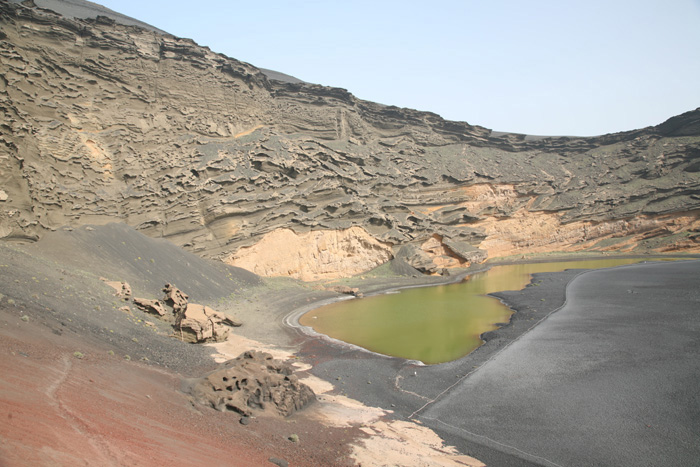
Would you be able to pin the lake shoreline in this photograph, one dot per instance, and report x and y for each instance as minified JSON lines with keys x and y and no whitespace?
{"x":406,"y":388}
{"x":533,"y":309}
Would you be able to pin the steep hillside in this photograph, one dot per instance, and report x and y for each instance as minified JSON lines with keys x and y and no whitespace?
{"x":104,"y":122}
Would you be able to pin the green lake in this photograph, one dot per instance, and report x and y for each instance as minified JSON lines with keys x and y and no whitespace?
{"x":434,"y":324}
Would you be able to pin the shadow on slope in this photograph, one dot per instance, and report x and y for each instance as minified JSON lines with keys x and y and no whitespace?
{"x":55,"y":283}
{"x":118,"y":252}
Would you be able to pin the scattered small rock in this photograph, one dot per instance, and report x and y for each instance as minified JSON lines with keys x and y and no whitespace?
{"x":293,"y":438}
{"x":279,"y":462}
{"x":123,"y":289}
{"x":245,"y":421}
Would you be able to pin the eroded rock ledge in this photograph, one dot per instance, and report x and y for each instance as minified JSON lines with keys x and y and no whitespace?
{"x":104,"y":122}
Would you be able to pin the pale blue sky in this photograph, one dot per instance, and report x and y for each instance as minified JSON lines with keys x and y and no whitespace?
{"x":536,"y":67}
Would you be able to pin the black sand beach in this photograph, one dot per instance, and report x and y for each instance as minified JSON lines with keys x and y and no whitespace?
{"x":615,"y":384}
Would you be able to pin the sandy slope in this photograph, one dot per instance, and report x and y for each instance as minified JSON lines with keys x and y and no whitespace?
{"x":86,"y":383}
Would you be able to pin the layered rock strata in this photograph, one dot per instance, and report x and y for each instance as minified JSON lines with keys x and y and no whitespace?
{"x":103,"y":121}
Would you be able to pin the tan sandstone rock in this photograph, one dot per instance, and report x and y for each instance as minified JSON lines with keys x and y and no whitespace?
{"x":199,"y":323}
{"x":175,"y":297}
{"x":151,"y":306}
{"x":315,"y":255}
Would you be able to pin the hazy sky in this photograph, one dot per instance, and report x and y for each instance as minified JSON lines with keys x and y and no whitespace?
{"x":537,"y":67}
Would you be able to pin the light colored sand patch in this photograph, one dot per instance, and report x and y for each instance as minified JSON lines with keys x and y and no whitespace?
{"x":405,"y":443}
{"x":247,"y":132}
{"x":236,"y":345}
{"x":390,"y":442}
{"x":320,"y":386}
{"x":340,"y":411}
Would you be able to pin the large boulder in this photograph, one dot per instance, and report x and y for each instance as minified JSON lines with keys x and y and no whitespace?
{"x":193,"y":322}
{"x":253,"y":382}
{"x":199,"y":323}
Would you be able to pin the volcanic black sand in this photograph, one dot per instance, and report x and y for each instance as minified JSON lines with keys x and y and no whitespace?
{"x":616,"y":386}
{"x":611,"y":378}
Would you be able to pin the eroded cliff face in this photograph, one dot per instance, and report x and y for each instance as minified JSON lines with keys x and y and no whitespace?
{"x":312,"y":256}
{"x":105,"y":122}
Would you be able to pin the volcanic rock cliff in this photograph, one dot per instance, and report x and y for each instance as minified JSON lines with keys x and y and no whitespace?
{"x":105,"y":122}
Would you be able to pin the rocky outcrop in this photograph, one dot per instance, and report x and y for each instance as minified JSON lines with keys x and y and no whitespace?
{"x":345,"y":290}
{"x":252,"y":383}
{"x":192,"y":322}
{"x":101,"y":122}
{"x":154,"y":307}
{"x":200,"y":324}
{"x":439,"y":253}
{"x":175,"y":298}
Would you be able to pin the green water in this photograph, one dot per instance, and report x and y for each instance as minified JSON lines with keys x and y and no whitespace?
{"x":433,"y":324}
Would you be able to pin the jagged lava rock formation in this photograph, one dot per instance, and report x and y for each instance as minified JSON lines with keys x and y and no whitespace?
{"x":103,"y":121}
{"x":251,"y":383}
